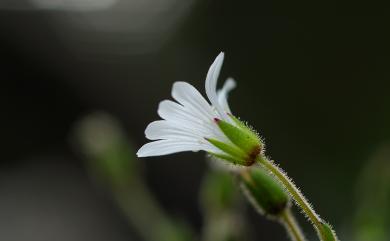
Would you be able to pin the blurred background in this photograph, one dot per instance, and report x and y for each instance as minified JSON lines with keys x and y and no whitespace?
{"x":315,"y":86}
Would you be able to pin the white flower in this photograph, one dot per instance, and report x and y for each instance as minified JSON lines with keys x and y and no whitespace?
{"x":193,"y":124}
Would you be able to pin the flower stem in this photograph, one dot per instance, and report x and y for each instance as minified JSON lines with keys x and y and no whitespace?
{"x":268,"y":195}
{"x":296,"y":195}
{"x":287,"y":218}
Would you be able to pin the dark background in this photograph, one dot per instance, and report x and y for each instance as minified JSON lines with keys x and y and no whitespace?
{"x":314,"y":85}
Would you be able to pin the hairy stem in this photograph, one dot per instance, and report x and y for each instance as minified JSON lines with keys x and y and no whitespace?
{"x":296,"y":195}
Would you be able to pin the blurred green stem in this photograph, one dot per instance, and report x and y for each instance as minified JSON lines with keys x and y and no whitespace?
{"x":296,"y":195}
{"x":287,"y":218}
{"x":220,"y":202}
{"x":110,"y":160}
{"x":145,"y":214}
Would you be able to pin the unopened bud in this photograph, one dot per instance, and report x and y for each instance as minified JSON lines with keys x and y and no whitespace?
{"x":264,"y":192}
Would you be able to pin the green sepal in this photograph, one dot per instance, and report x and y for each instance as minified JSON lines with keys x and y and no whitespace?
{"x":231,"y":150}
{"x":239,"y":122}
{"x":265,"y":192}
{"x":241,"y":136}
{"x":327,"y":233}
{"x":235,"y":161}
{"x":246,"y":128}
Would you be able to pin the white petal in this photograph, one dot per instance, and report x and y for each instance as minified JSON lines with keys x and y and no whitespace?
{"x":170,"y":110}
{"x":223,"y":94}
{"x":165,"y":147}
{"x":212,"y":78}
{"x":181,"y":117}
{"x":211,"y":85}
{"x":163,"y":129}
{"x":190,"y":98}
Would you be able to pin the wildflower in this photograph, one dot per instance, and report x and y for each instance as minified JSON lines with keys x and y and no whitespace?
{"x":193,"y":124}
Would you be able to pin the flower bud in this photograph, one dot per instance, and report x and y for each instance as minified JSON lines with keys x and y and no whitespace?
{"x":264,"y":192}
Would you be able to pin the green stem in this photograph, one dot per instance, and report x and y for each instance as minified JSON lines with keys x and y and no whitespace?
{"x":143,"y":212}
{"x":287,"y":218}
{"x":296,"y":195}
